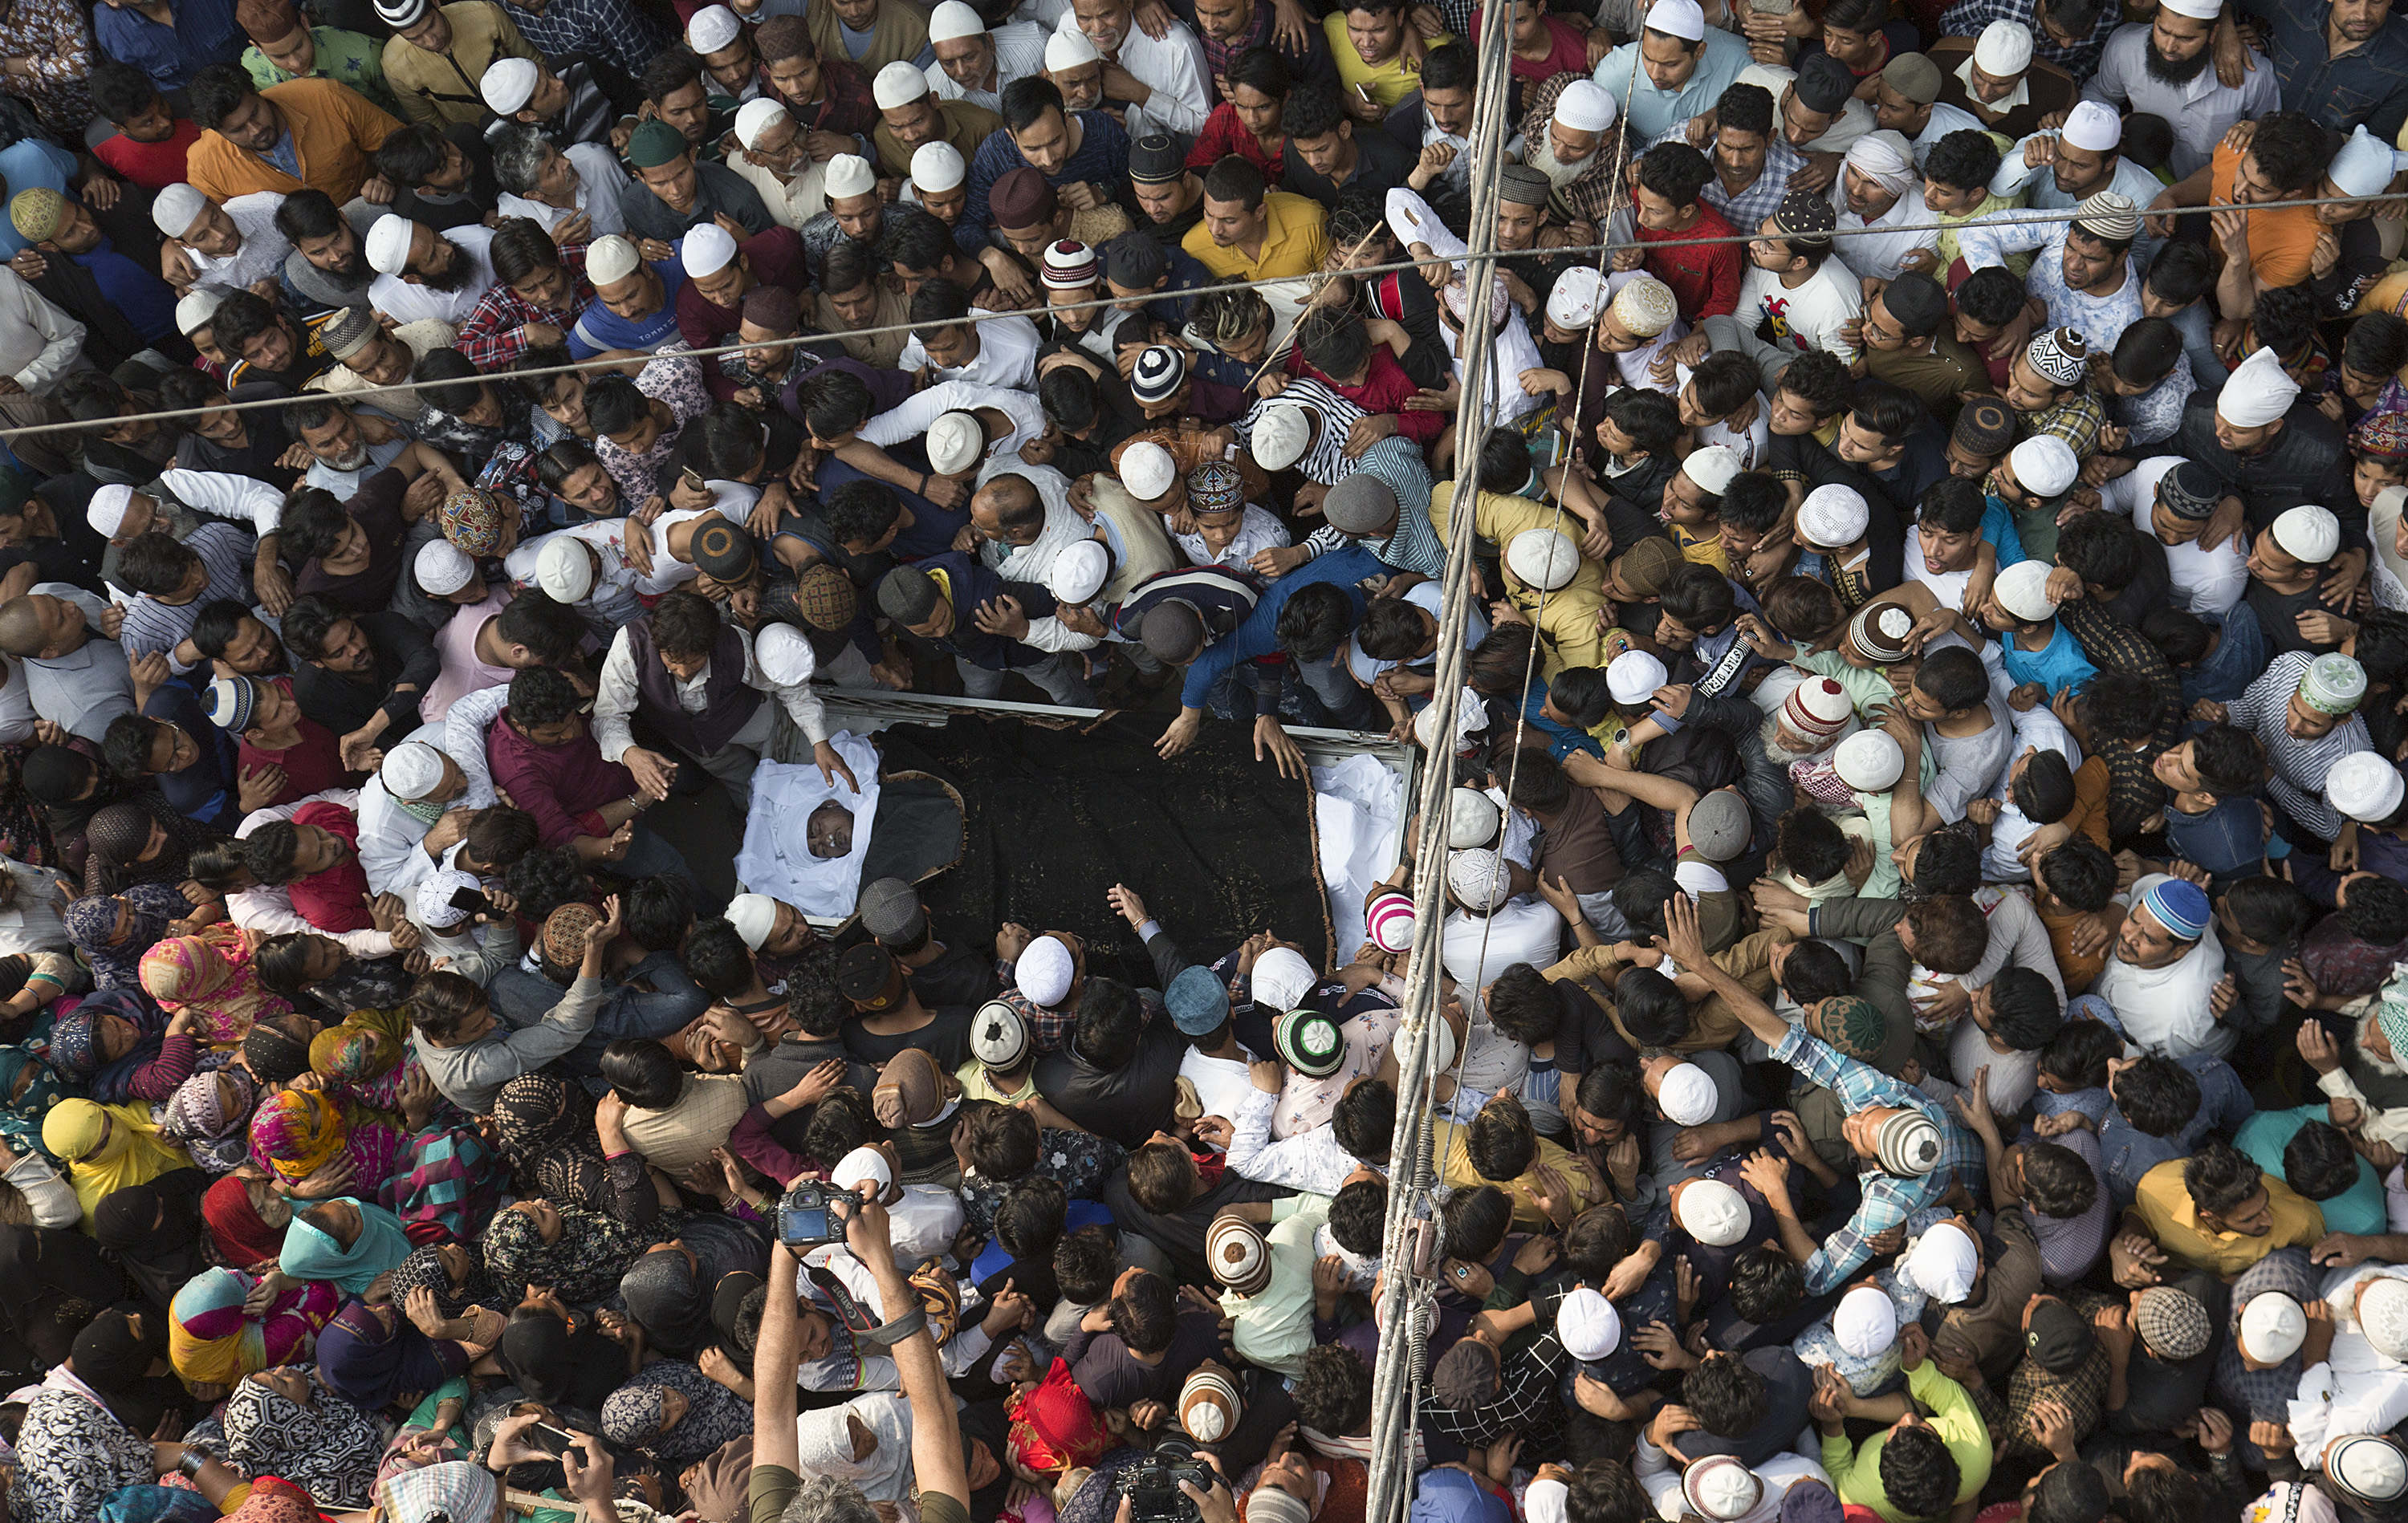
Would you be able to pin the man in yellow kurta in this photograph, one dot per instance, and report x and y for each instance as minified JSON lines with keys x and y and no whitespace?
{"x":1502,"y":1148}
{"x":1540,"y":551}
{"x":1252,"y":233}
{"x":438,"y":56}
{"x":2217,"y":1210}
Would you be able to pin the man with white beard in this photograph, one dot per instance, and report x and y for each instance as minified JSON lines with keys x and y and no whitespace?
{"x":1568,"y":143}
{"x":1806,"y":728}
{"x":974,"y":64}
{"x":1163,"y":81}
{"x":343,"y":456}
{"x":1076,"y":69}
{"x":1879,"y":188}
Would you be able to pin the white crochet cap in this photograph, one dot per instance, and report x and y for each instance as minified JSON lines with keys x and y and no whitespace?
{"x":563,"y":568}
{"x":1714,"y":467}
{"x":2366,"y":787}
{"x":849,"y":174}
{"x":1832,"y":516}
{"x":1044,"y":971}
{"x":508,"y":85}
{"x":1645,"y":305}
{"x":1633,"y":677}
{"x":2308,"y":533}
{"x":443,"y":568}
{"x":175,"y":209}
{"x":955,"y":442}
{"x":2198,"y":10}
{"x":707,"y":249}
{"x":938,"y":167}
{"x":1687,"y":1095}
{"x":105,"y":512}
{"x":754,"y":120}
{"x":1869,"y":762}
{"x":1712,"y":1212}
{"x":713,"y":27}
{"x":2094,"y":127}
{"x":1586,"y":105}
{"x":1572,"y":304}
{"x":784,"y":655}
{"x":197,"y":309}
{"x":1472,"y":819}
{"x":2367,"y":1466}
{"x":2022,"y":590}
{"x":1683,"y":18}
{"x":1543,"y":557}
{"x":753,"y":916}
{"x":2383,"y":1315}
{"x":1079,"y":572}
{"x":1068,"y":50}
{"x":1547,"y":1500}
{"x":862,"y":1164}
{"x":2045,"y":465}
{"x":1282,"y":978}
{"x":610,"y":257}
{"x":1478,"y":878}
{"x":2004,"y":50}
{"x":411,"y":770}
{"x":432,"y":898}
{"x":1944,"y":1262}
{"x":2272,"y":1327}
{"x":953,"y":21}
{"x":897,"y":84}
{"x":1281,"y":434}
{"x":1147,"y":471}
{"x":1719,"y":1488}
{"x":1865,"y":1322}
{"x":388,"y":244}
{"x":1588,"y":1324}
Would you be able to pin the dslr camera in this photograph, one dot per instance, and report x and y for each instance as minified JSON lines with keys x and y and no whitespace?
{"x":1152,"y":1485}
{"x":812,"y":1215}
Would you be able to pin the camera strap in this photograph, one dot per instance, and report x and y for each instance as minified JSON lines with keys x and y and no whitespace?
{"x":858,"y":1319}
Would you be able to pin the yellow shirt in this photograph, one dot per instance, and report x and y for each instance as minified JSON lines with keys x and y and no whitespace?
{"x":1460,"y":1174}
{"x":1572,"y":619}
{"x":2173,"y":1221}
{"x":1389,"y":83}
{"x":1707,"y":551}
{"x":1295,"y":241}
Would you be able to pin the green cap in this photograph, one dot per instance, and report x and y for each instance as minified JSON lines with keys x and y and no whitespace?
{"x":655,"y":143}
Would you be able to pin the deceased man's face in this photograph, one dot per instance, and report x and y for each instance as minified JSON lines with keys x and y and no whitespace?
{"x":829,"y":831}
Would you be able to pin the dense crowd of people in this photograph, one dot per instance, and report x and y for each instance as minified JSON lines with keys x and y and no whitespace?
{"x":1919,"y":1034}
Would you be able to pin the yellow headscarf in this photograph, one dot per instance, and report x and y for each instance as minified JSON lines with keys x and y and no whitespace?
{"x":105,"y":1148}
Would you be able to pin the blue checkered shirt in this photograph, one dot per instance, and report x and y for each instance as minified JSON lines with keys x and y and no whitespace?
{"x":1747,"y":210}
{"x":611,"y":30}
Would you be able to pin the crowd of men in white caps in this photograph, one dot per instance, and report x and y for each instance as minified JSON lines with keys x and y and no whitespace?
{"x":1924,"y":870}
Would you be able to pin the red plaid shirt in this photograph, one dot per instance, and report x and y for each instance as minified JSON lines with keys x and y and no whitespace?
{"x":491,"y":337}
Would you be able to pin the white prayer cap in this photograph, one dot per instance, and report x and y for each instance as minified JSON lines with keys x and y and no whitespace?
{"x":2022,"y":590}
{"x":1686,"y":1096}
{"x":1832,"y":516}
{"x":1282,"y":978}
{"x":707,"y":249}
{"x":2044,"y":464}
{"x":2364,"y":166}
{"x":862,"y":1164}
{"x":2272,"y":1327}
{"x":1478,"y":878}
{"x":1584,"y":106}
{"x":2198,"y":10}
{"x":2093,"y":126}
{"x":198,"y":308}
{"x":1885,"y":158}
{"x":2366,"y":787}
{"x":1683,"y":18}
{"x":411,"y":770}
{"x":953,"y":21}
{"x":1572,"y":304}
{"x":610,"y":257}
{"x":1542,"y":559}
{"x":1079,"y":572}
{"x":1633,"y":677}
{"x":1713,"y":468}
{"x":1720,"y":1488}
{"x":938,"y":167}
{"x":955,"y":442}
{"x":784,"y":655}
{"x":388,"y":244}
{"x":105,"y":512}
{"x":443,"y":568}
{"x":1147,"y":472}
{"x":754,"y":120}
{"x":1645,"y":305}
{"x":753,"y":916}
{"x":1471,"y":818}
{"x":897,"y":84}
{"x":177,"y":208}
{"x":713,"y":27}
{"x":2257,"y":393}
{"x":2383,"y":1315}
{"x":1068,"y":50}
{"x":432,"y":898}
{"x":2005,"y":50}
{"x":1944,"y":1261}
{"x":508,"y":85}
{"x":1869,"y":762}
{"x":563,"y":568}
{"x":849,"y":174}
{"x":1547,"y":1500}
{"x":1865,"y":1323}
{"x":1044,"y":971}
{"x":1281,"y":434}
{"x":1588,"y":1324}
{"x":2367,"y":1466}
{"x":2308,"y":534}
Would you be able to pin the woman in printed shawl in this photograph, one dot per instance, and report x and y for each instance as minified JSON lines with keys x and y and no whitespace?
{"x":212,"y":1341}
{"x":211,"y":1114}
{"x":676,"y":1413}
{"x":113,"y":931}
{"x":120,"y":1046}
{"x":579,"y":1254}
{"x":297,"y":1133}
{"x":545,"y":1125}
{"x":105,"y":1148}
{"x":458,"y":1492}
{"x":209,"y":973}
{"x":284,"y":1422}
{"x":453,"y":1274}
{"x":374,"y":1356}
{"x":72,"y":1451}
{"x":129,"y":843}
{"x":28,"y":1089}
{"x":155,"y":1232}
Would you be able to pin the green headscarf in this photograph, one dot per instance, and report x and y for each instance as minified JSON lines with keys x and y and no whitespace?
{"x":20,"y":1119}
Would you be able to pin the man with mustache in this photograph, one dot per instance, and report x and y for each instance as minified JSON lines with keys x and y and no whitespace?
{"x":426,"y":273}
{"x":2167,"y":70}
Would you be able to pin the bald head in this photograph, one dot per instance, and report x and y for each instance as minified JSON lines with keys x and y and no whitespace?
{"x":38,"y":625}
{"x":1009,"y":508}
